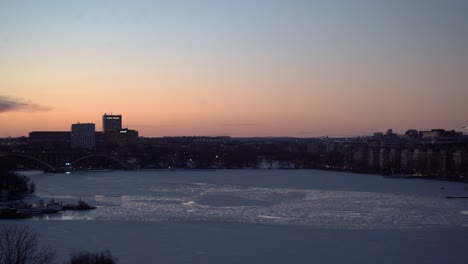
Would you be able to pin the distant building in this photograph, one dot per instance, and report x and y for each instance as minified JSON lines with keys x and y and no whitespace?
{"x":331,"y":147}
{"x":99,"y":138}
{"x":412,"y":133}
{"x":121,"y":137}
{"x":388,"y":136}
{"x":17,"y":141}
{"x":431,"y":160}
{"x":111,"y":122}
{"x":443,"y":161}
{"x":384,"y":159}
{"x":419,"y":160}
{"x":440,"y":133}
{"x":407,"y":160}
{"x":220,"y":139}
{"x":378,"y":135}
{"x":373,"y":158}
{"x":460,"y":159}
{"x":395,"y":159}
{"x":50,"y":138}
{"x":83,"y":136}
{"x":360,"y":157}
{"x":313,"y":147}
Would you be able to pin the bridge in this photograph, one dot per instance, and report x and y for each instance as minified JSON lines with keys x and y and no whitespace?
{"x":59,"y":165}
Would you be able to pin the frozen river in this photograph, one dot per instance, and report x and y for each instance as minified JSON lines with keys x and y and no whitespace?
{"x":256,"y":216}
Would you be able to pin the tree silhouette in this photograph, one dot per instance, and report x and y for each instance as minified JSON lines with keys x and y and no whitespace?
{"x":20,"y":245}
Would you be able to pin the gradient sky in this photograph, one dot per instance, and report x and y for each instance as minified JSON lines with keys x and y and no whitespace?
{"x":237,"y":68}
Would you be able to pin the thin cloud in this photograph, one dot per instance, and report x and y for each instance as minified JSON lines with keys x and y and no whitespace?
{"x":8,"y":104}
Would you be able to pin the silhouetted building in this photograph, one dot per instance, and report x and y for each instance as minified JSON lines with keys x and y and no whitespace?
{"x":443,"y":161}
{"x":99,"y":138}
{"x":373,"y":158}
{"x":419,"y":160}
{"x":407,"y":160}
{"x":429,"y":161}
{"x":378,"y":135}
{"x":440,"y":133}
{"x":460,"y":160}
{"x":111,"y":122}
{"x":50,"y":138}
{"x":83,"y":136}
{"x":121,"y":138}
{"x":384,"y":159}
{"x":412,"y":133}
{"x":360,"y":157}
{"x":395,"y":159}
{"x":388,"y":136}
{"x":313,"y":147}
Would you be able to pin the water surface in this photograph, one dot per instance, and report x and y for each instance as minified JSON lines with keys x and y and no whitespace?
{"x":252,"y":216}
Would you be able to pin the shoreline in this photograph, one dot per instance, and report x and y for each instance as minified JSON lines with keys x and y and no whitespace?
{"x":389,"y":176}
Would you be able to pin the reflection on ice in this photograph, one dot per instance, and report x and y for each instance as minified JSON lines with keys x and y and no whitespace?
{"x":120,"y":197}
{"x":322,"y":208}
{"x":268,"y":217}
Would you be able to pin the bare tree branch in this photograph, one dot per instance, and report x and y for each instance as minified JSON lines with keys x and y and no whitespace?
{"x":20,"y":245}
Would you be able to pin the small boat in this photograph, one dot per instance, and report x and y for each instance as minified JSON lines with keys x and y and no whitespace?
{"x":40,"y":207}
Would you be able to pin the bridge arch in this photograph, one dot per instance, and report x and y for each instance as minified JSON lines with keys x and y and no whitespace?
{"x":99,"y":155}
{"x":47,"y":165}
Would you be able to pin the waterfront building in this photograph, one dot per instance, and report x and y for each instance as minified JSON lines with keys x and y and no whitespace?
{"x":360,"y":157}
{"x":121,"y":138}
{"x":384,"y":159}
{"x":431,"y":165}
{"x":331,"y":147}
{"x":460,"y":160}
{"x":83,"y":136}
{"x":373,"y":158}
{"x":313,"y":147}
{"x":407,"y":160}
{"x":420,"y":160}
{"x":443,"y":161}
{"x":111,"y":122}
{"x":395,"y":159}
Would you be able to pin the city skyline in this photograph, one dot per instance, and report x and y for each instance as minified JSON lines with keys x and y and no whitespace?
{"x":115,"y":124}
{"x":249,"y":68}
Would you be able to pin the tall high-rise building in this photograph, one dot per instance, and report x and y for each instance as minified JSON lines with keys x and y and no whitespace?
{"x":83,"y":136}
{"x":111,"y":122}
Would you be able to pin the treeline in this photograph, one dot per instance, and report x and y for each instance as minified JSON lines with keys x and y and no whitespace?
{"x":21,"y":245}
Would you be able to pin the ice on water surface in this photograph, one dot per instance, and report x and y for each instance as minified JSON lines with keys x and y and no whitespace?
{"x":157,"y":196}
{"x":255,"y":216}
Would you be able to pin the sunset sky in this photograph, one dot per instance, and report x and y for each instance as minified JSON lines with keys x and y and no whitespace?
{"x":236,"y":68}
